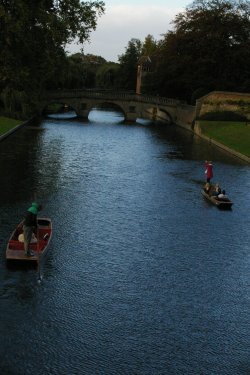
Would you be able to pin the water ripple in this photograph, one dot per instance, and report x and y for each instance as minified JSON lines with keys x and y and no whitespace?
{"x":143,"y":276}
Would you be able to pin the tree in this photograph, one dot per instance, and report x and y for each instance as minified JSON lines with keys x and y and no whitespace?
{"x":107,"y":75}
{"x":208,"y":49}
{"x":33,"y":35}
{"x":149,"y":46}
{"x":80,"y":71}
{"x":128,"y":64}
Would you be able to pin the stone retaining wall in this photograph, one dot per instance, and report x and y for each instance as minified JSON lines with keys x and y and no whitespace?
{"x":219,"y":101}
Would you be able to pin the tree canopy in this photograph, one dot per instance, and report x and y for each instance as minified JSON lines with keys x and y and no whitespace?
{"x":128,"y":64}
{"x":208,"y":49}
{"x":33,"y":35}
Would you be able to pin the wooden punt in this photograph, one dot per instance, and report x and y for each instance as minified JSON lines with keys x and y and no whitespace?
{"x":15,"y":248}
{"x":224,"y":204}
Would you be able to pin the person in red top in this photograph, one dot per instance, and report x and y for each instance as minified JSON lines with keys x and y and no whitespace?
{"x":209,"y":170}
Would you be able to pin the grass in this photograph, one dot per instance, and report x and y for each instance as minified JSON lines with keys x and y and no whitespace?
{"x":7,"y":124}
{"x":235,"y":135}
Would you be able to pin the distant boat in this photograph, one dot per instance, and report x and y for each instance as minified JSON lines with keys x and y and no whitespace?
{"x":15,"y":246}
{"x":220,"y":203}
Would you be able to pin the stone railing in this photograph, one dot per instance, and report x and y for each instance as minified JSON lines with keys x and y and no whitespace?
{"x":112,"y":95}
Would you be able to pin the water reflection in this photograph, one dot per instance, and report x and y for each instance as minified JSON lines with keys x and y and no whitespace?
{"x":144,"y":122}
{"x":63,"y":115}
{"x":105,"y":116}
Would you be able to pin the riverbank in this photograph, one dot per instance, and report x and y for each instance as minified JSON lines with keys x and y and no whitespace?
{"x":9,"y":125}
{"x":233,"y":137}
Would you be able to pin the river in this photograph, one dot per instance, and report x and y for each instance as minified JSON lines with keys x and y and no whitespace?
{"x":143,"y":276}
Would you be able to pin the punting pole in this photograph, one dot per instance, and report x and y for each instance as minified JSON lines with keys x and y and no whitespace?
{"x":38,"y":258}
{"x":37,"y":248}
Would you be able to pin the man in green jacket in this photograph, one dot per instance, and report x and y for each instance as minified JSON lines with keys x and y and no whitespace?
{"x":29,"y":226}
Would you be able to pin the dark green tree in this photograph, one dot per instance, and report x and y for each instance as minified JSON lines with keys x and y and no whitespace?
{"x":149,"y":46}
{"x":208,"y":49}
{"x":107,"y":75}
{"x":33,"y":35}
{"x":80,"y":71}
{"x":128,"y":65}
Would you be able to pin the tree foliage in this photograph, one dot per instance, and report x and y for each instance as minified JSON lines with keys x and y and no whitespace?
{"x":33,"y":35}
{"x":80,"y":71}
{"x":107,"y":75}
{"x":149,"y":46}
{"x":130,"y":59}
{"x":208,"y":49}
{"x":128,"y":64}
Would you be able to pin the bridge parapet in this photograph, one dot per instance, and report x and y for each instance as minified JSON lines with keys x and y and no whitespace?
{"x":108,"y":95}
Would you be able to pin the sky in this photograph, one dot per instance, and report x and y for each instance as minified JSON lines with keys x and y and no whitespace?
{"x":124,"y":20}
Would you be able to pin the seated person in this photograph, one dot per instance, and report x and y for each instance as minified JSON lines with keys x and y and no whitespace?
{"x":222,"y":196}
{"x":216,"y":191}
{"x":207,"y":187}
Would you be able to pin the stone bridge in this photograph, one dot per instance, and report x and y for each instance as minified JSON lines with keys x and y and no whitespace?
{"x":133,"y":106}
{"x":154,"y":108}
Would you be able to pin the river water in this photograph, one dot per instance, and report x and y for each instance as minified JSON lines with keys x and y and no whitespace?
{"x":143,"y":276}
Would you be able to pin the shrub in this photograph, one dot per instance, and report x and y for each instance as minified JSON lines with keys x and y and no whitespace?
{"x":223,"y":116}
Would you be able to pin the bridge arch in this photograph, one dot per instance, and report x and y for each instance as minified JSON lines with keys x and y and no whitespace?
{"x":54,"y":107}
{"x":164,"y":116}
